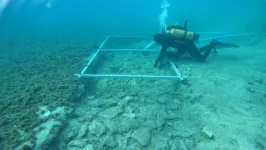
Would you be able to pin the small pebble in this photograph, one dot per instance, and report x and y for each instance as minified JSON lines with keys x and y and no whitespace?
{"x":207,"y":131}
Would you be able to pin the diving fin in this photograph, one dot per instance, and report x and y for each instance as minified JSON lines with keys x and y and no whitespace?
{"x":220,"y":44}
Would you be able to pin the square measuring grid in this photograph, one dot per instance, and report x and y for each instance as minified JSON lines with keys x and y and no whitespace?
{"x":146,"y":49}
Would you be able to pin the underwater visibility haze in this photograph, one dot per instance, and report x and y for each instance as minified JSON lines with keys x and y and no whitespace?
{"x":132,"y":74}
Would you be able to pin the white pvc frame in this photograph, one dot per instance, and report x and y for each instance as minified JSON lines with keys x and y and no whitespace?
{"x":178,"y":76}
{"x":82,"y":74}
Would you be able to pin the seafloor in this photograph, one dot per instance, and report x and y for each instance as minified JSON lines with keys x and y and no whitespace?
{"x":222,"y":105}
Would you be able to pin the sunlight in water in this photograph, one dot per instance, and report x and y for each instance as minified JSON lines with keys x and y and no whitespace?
{"x":3,"y":5}
{"x":49,"y":4}
{"x":46,"y":3}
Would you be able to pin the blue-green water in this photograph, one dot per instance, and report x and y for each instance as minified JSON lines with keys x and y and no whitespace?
{"x":44,"y":106}
{"x":84,"y":18}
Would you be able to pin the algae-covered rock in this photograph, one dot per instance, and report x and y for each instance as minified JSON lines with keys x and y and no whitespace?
{"x":39,"y":82}
{"x":25,"y":146}
{"x":49,"y":131}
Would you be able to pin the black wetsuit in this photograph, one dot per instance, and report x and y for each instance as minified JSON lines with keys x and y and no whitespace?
{"x":182,"y":46}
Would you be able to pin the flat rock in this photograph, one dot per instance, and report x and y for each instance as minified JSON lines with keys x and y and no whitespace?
{"x":129,"y":115}
{"x":179,"y":133}
{"x":121,"y":94}
{"x":162,"y":99}
{"x":149,"y":111}
{"x":183,"y":129}
{"x":121,"y":140}
{"x":173,"y":105}
{"x":94,"y":103}
{"x":160,"y":120}
{"x":88,"y":147}
{"x":143,"y":136}
{"x":77,"y":144}
{"x":96,"y":128}
{"x":127,"y":124}
{"x":150,"y":124}
{"x":160,"y":143}
{"x":83,"y":130}
{"x":172,"y":115}
{"x":108,"y":141}
{"x":125,"y":101}
{"x":180,"y":145}
{"x":110,"y":113}
{"x":91,"y":112}
{"x":110,"y":102}
{"x":111,"y":125}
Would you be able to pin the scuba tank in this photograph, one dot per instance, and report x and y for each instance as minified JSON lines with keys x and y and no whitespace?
{"x":181,"y":33}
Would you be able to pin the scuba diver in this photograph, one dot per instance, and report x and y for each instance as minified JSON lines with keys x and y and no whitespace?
{"x":184,"y":41}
